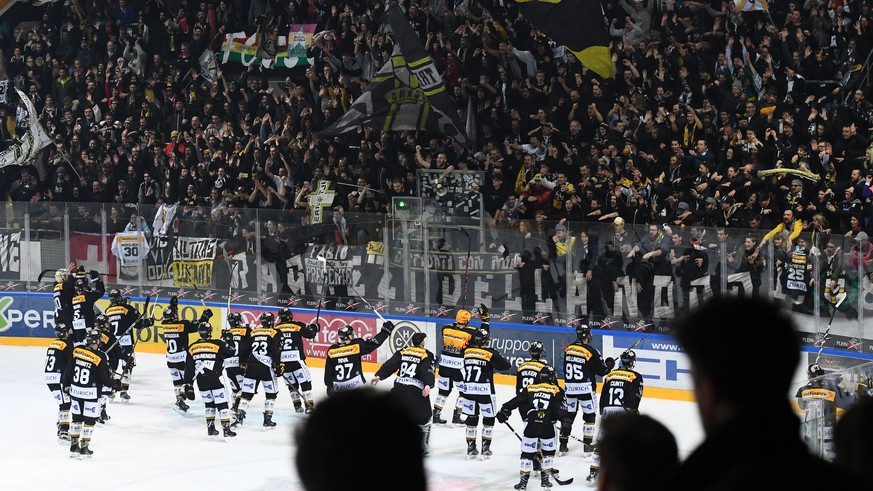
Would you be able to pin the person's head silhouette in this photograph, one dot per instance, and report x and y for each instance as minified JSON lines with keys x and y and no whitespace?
{"x":361,"y":429}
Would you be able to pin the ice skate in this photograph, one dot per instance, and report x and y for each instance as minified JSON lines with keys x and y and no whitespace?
{"x":124,"y":396}
{"x":180,"y":405}
{"x":85,"y":452}
{"x":522,"y":484}
{"x":563,"y":449}
{"x":269,"y":424}
{"x":591,"y":480}
{"x":545,"y":483}
{"x":437,"y":421}
{"x":472,"y":452}
{"x":486,"y":450}
{"x":228,"y":433}
{"x":74,"y":450}
{"x":211,"y":432}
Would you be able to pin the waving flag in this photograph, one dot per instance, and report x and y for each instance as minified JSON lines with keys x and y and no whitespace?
{"x":578,"y":25}
{"x":407,"y":93}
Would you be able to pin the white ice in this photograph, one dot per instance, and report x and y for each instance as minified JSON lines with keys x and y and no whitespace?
{"x":147,"y":445}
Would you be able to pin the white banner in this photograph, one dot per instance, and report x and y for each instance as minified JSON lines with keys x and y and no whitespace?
{"x":208,"y":66}
{"x":33,"y":140}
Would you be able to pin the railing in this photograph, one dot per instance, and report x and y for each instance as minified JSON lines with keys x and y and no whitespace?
{"x":524,"y":270}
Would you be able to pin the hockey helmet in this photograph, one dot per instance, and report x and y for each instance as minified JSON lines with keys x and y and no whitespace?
{"x":463,"y":317}
{"x":815,"y":371}
{"x":115,"y":297}
{"x":345,"y":334}
{"x":101,"y":322}
{"x":267,"y":320}
{"x":205,"y":330}
{"x":126,"y":300}
{"x":81,"y":284}
{"x":93,"y":337}
{"x":62,"y":329}
{"x":583,"y":333}
{"x":481,"y":337}
{"x":536,"y":350}
{"x":628,"y":359}
{"x":547,"y":375}
{"x":170,"y":313}
{"x":286,"y":314}
{"x":234,"y":319}
{"x":61,"y":275}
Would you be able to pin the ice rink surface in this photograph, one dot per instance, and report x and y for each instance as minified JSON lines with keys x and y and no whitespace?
{"x":148,"y":446}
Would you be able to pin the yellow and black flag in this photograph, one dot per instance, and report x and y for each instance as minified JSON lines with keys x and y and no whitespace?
{"x":578,"y":25}
{"x":407,"y":93}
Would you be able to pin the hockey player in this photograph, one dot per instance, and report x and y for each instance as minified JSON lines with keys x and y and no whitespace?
{"x":342,"y":365}
{"x":296,"y":373}
{"x":208,"y":356}
{"x":414,"y":380}
{"x":543,"y":403}
{"x":456,"y":337}
{"x":262,"y":366}
{"x":57,"y":357}
{"x":112,"y":349}
{"x":582,"y":363}
{"x":85,"y":376}
{"x":176,"y":334}
{"x":238,"y":337}
{"x":83,"y":303}
{"x":63,"y":296}
{"x":528,"y":373}
{"x":479,"y":364}
{"x":124,"y":319}
{"x":621,"y":393}
{"x":820,"y":400}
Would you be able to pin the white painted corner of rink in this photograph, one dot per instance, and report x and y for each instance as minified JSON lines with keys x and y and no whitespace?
{"x":147,"y":446}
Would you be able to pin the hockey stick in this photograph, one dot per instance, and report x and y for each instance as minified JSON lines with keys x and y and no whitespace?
{"x":323,"y":261}
{"x":562,"y":482}
{"x":512,"y":430}
{"x":841,"y":297}
{"x":467,"y":268}
{"x":359,"y":295}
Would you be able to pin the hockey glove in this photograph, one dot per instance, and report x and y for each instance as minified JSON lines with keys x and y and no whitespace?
{"x":66,"y":389}
{"x":279,"y":369}
{"x":116,"y":385}
{"x":388,"y":326}
{"x":206,"y":315}
{"x":315,"y":327}
{"x":227,"y":337}
{"x":189,"y":392}
{"x":484,"y":316}
{"x":147,"y":322}
{"x":129,"y":362}
{"x":609,"y":362}
{"x":503,"y":415}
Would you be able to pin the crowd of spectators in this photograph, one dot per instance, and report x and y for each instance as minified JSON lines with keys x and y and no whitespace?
{"x":704,"y":99}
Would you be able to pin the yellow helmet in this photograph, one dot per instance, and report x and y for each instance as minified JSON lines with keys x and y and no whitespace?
{"x":463,"y":317}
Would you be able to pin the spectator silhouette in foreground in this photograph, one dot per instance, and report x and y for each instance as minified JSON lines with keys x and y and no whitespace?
{"x":748,"y":420}
{"x":361,"y":431}
{"x":853,"y":440}
{"x":631,"y":433}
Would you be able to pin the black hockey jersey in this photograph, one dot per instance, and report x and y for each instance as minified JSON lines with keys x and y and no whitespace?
{"x":63,"y":296}
{"x":543,"y":403}
{"x":265,"y":347}
{"x":479,"y":367}
{"x":622,"y":388}
{"x":176,"y":334}
{"x":57,"y":357}
{"x":83,"y":310}
{"x":342,"y":365}
{"x":87,"y":374}
{"x":292,"y":334}
{"x":122,"y":318}
{"x":414,"y":366}
{"x":208,"y":356}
